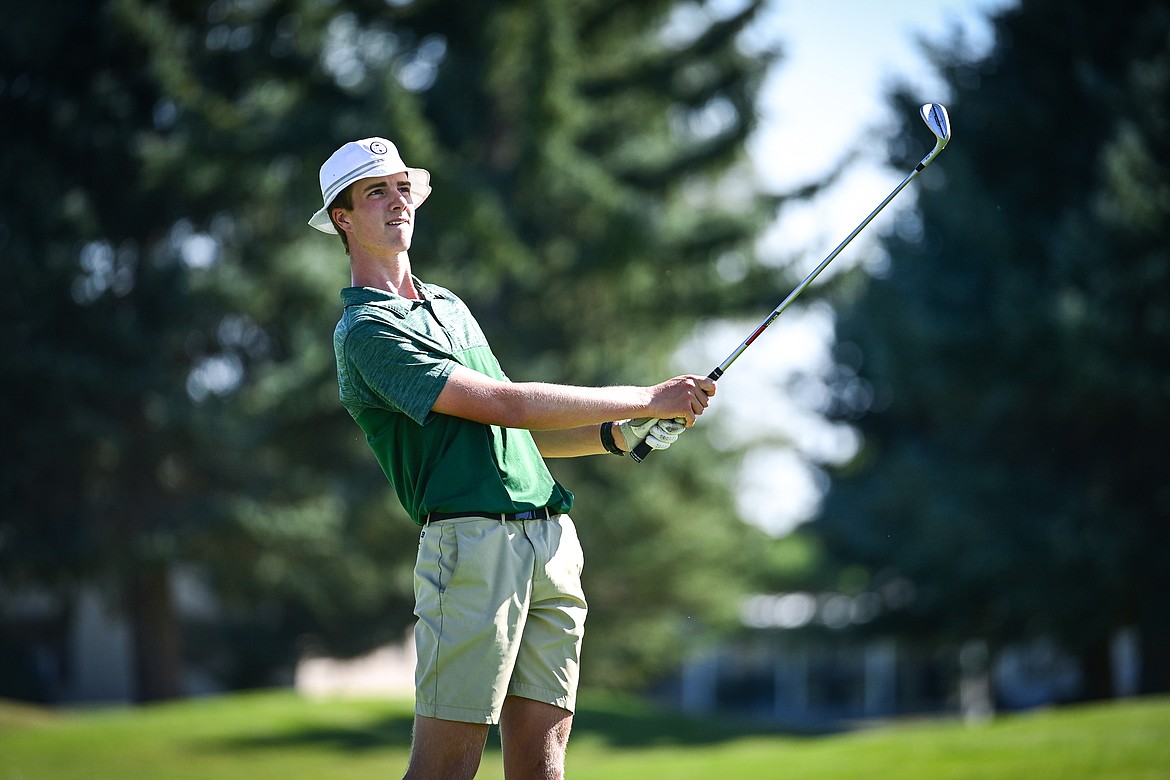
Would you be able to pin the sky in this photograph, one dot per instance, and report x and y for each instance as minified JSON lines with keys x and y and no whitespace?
{"x":825,"y":99}
{"x":827,"y":95}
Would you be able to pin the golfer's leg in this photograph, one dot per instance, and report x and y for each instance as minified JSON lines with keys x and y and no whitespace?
{"x":445,"y":749}
{"x":534,"y":736}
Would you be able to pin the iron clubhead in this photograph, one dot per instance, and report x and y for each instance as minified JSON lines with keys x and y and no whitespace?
{"x":935,"y":117}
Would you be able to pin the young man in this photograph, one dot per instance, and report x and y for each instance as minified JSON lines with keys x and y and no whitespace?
{"x":497,"y":580}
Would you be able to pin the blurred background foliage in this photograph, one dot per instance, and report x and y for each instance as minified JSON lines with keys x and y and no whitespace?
{"x":170,"y":388}
{"x":170,"y":401}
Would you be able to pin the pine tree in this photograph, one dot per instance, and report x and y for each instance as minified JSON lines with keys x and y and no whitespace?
{"x":1012,"y":467}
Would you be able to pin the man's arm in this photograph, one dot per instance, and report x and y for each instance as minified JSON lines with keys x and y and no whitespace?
{"x":573,"y":412}
{"x":574,"y":442}
{"x":586,"y":440}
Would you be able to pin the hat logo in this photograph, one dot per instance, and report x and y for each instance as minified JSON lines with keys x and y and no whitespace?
{"x":377,"y":147}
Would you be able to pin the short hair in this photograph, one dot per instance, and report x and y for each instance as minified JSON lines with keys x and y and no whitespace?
{"x":344,"y":200}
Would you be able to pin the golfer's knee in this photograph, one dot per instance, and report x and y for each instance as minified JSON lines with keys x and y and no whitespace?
{"x":535,"y":737}
{"x":445,"y":750}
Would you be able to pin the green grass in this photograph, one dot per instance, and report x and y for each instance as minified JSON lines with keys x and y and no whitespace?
{"x":278,"y":736}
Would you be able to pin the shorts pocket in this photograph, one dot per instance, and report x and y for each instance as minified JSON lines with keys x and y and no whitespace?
{"x":438,"y":556}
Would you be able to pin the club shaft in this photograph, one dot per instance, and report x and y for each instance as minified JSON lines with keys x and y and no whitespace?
{"x":643,"y":450}
{"x":800,"y":288}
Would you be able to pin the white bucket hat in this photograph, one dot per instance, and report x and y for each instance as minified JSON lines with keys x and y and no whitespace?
{"x":361,"y":160}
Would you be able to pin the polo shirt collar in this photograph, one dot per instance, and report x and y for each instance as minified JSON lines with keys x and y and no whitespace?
{"x":372,"y":296}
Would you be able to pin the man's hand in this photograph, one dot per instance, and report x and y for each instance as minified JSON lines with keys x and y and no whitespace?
{"x":658,"y":434}
{"x":682,"y":399}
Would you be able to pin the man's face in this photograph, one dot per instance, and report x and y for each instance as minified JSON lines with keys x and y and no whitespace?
{"x":382,"y":219}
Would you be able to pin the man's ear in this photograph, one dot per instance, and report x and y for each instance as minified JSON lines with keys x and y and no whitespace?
{"x":341,"y":219}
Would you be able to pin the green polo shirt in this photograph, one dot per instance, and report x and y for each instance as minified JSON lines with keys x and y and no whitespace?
{"x":394,"y":355}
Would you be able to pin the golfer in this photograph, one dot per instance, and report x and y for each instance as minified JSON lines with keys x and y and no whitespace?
{"x":498,"y":597}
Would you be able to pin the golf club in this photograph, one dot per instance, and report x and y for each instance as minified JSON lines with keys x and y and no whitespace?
{"x":935,"y":117}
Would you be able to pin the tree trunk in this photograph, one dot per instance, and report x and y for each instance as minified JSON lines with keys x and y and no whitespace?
{"x":1096,"y":672}
{"x":154,"y":626}
{"x":1155,"y":656}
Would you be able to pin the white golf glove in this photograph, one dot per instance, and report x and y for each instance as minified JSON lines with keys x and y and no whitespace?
{"x":659,"y":434}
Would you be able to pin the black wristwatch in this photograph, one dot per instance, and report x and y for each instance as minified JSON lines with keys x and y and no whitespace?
{"x":607,"y":439}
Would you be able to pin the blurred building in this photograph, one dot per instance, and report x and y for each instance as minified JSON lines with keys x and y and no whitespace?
{"x":814,"y":661}
{"x":76,"y":648}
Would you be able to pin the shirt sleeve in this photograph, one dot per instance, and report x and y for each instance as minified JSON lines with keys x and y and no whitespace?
{"x":395,"y":371}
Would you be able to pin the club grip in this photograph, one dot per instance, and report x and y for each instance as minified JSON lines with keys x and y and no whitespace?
{"x":643,"y":449}
{"x":640,"y":452}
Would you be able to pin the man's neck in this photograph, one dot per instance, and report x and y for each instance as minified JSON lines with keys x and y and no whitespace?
{"x":392,"y":275}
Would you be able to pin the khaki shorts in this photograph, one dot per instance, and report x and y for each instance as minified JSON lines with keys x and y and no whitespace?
{"x":500,"y":612}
